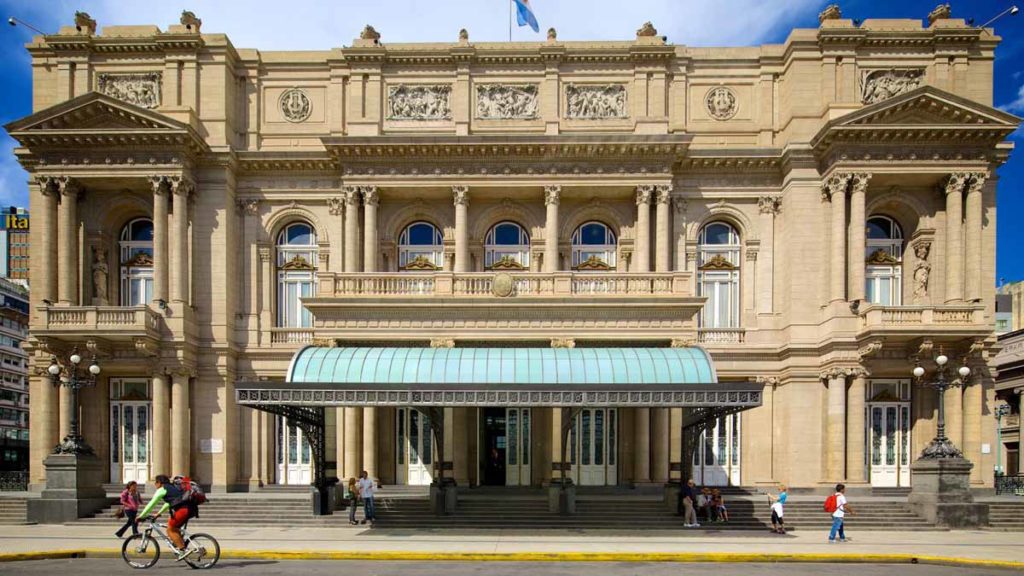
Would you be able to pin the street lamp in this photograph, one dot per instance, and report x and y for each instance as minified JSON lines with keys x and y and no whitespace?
{"x":1001,"y":410}
{"x":73,"y":377}
{"x":940,"y":447}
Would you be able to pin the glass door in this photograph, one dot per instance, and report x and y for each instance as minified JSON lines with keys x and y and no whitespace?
{"x":414,"y":448}
{"x":593,"y":450}
{"x":129,"y":442}
{"x":294,"y":461}
{"x":517,"y":450}
{"x":716,"y":458}
{"x":889,"y":444}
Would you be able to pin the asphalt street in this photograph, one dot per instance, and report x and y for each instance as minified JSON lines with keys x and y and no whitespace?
{"x":109,"y":567}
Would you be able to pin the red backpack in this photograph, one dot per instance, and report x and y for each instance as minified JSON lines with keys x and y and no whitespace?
{"x":830,"y":504}
{"x":191,"y":491}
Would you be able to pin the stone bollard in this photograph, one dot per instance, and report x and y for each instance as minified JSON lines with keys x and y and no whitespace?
{"x":562,"y":500}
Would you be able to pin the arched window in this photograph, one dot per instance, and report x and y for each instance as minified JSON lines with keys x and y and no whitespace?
{"x":718,"y":275}
{"x":420,"y":247}
{"x":593,"y":247}
{"x":883,"y":262}
{"x":507,"y":246}
{"x":136,"y":260}
{"x":296,"y":274}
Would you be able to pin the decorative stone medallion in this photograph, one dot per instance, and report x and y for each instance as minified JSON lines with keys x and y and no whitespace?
{"x":595,"y":101}
{"x":502,"y":285}
{"x":295,"y":105}
{"x":142,"y":90}
{"x":878,"y":85}
{"x":506,"y":101}
{"x":419,"y":102}
{"x":721,"y":103}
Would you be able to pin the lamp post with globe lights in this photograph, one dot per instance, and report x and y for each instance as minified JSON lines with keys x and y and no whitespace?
{"x":73,"y":376}
{"x":941,"y":447}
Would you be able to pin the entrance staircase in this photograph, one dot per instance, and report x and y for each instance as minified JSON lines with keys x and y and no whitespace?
{"x":13,"y":511}
{"x":1006,"y":516}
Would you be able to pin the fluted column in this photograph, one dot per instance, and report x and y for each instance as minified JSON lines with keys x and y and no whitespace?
{"x":370,"y":200}
{"x":552,"y":196}
{"x":855,"y":400}
{"x":46,"y":289}
{"x":351,"y":194}
{"x":835,"y":430}
{"x":182,"y":189}
{"x":642,"y":445}
{"x":662,"y":229}
{"x":370,"y":441}
{"x":161,"y":265}
{"x":954,"y":236}
{"x":972,"y":228}
{"x":460,"y":195}
{"x":858,"y":239}
{"x":835,"y":190}
{"x":67,"y":290}
{"x":161,"y":459}
{"x":660,"y":441}
{"x":353,"y":447}
{"x":642,"y":252}
{"x":180,"y":423}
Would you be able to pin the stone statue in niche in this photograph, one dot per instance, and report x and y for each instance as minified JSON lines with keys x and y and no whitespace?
{"x":506,"y":101}
{"x":878,"y":85}
{"x":594,"y":102}
{"x":295,"y":105}
{"x":142,"y":90}
{"x":419,"y":102}
{"x":721,"y":103}
{"x":99,"y":276}
{"x":922,"y":270}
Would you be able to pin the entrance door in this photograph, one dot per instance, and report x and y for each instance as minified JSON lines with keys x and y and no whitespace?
{"x":129,"y":442}
{"x":494,"y":426}
{"x":593,"y":447}
{"x":414,"y":449}
{"x":294,"y":464}
{"x":889,"y":432}
{"x":716,"y":458}
{"x":517,"y":450}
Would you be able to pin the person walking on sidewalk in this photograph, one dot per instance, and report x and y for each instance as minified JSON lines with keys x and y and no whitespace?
{"x":352,"y":495}
{"x":130,"y":502}
{"x":777,"y":503}
{"x":842,"y":508}
{"x":689,"y":494}
{"x":366,"y":490}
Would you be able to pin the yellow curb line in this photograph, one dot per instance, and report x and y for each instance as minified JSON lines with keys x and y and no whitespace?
{"x":709,"y":557}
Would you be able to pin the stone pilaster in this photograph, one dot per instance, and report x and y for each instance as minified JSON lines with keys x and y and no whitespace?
{"x":835,"y":428}
{"x":182,"y":190}
{"x":855,"y":401}
{"x":834,"y":190}
{"x":769,"y":207}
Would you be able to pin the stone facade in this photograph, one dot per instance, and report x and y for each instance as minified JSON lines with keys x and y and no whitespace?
{"x":802,"y":152}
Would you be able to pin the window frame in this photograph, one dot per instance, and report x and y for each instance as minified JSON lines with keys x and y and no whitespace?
{"x":518,"y":254}
{"x":718,"y":277}
{"x":296,"y":276}
{"x":420,"y":257}
{"x":136,"y":272}
{"x":606,"y":254}
{"x":883,"y":264}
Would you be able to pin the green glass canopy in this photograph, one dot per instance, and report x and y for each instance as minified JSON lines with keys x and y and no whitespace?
{"x":507,"y":367}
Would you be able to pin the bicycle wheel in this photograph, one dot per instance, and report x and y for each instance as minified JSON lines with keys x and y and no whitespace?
{"x":206,"y":551}
{"x":140,"y":551}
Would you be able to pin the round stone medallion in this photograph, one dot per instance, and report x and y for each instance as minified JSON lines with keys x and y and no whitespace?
{"x":295,"y":105}
{"x":721,"y":103}
{"x":502,"y":285}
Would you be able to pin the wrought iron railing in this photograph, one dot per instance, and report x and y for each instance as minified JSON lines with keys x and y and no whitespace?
{"x":16,"y":481}
{"x":1010,"y":484}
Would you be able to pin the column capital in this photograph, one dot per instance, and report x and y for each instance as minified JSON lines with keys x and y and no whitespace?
{"x":835,"y":184}
{"x":57,"y":185}
{"x":247,"y":206}
{"x":643,"y":194}
{"x":859,"y":182}
{"x":681,"y":205}
{"x":351,"y":194}
{"x":663,"y":193}
{"x":336,"y":205}
{"x":264,"y":252}
{"x":460,"y":195}
{"x":371,"y":196}
{"x":834,"y":373}
{"x":552,"y":194}
{"x":770,"y":204}
{"x":976,"y":181}
{"x":956,"y":182}
{"x":160,"y":184}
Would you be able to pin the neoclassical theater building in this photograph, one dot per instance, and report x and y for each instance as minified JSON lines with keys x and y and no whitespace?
{"x":794,"y":224}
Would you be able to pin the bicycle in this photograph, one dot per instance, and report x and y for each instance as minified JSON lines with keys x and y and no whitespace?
{"x":142,"y":550}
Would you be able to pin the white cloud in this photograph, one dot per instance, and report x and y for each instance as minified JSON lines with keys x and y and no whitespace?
{"x":13,"y":178}
{"x":1017,"y":106}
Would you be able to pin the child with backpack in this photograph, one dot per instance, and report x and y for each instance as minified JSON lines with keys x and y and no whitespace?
{"x":777,"y":503}
{"x":836,"y":504}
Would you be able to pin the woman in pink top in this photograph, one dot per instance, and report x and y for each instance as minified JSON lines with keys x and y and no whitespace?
{"x":130,"y":502}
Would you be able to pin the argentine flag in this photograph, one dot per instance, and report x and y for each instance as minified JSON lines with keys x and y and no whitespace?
{"x":524,"y":15}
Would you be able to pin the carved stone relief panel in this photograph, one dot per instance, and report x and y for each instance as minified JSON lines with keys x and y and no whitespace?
{"x":878,"y":85}
{"x":142,"y":90}
{"x":506,"y":101}
{"x":721,"y":103}
{"x":295,"y":105}
{"x":595,"y":101}
{"x":419,"y":102}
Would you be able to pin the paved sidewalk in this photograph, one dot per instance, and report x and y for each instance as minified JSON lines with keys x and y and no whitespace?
{"x":973,"y":545}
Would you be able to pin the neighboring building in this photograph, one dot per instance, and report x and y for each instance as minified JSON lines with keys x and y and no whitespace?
{"x":14,"y":401}
{"x":1009,"y":389}
{"x":1010,"y":307}
{"x":14,"y":233}
{"x":814,"y":215}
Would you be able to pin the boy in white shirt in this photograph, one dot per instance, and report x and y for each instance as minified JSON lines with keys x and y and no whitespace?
{"x":842,"y":508}
{"x":367,"y":487}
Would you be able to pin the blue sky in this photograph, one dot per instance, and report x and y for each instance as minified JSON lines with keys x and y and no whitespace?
{"x":320,"y":24}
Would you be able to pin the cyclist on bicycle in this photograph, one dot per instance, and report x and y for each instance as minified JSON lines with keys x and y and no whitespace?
{"x":181,"y":510}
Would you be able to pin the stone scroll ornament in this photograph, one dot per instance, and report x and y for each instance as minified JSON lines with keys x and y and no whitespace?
{"x":721,"y":103}
{"x":295,"y":105}
{"x":506,"y":101}
{"x":406,"y":102}
{"x":879,"y":85}
{"x":595,"y":102}
{"x":142,"y":90}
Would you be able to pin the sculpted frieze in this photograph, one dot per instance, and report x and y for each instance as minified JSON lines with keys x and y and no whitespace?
{"x":878,"y":85}
{"x":419,"y":102}
{"x":595,"y":101}
{"x":142,"y":90}
{"x":506,"y":101}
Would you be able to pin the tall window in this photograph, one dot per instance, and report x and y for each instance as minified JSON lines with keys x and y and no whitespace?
{"x":420,"y":247}
{"x":296,"y":274}
{"x":884,"y":262}
{"x":507,"y":246}
{"x":718,"y":275}
{"x":593,"y":247}
{"x":136,"y":260}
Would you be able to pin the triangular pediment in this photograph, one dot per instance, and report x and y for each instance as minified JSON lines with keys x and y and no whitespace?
{"x":94,"y":111}
{"x":927,"y":105}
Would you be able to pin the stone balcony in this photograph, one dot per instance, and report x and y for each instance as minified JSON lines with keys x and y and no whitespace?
{"x":110,"y":323}
{"x":950,"y":321}
{"x":715,"y":337}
